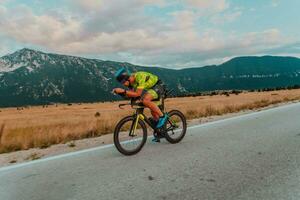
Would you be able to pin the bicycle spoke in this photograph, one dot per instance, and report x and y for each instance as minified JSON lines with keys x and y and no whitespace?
{"x":175,"y":126}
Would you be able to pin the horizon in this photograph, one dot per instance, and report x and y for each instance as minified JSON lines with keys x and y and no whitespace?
{"x":244,"y":56}
{"x":162,"y":33}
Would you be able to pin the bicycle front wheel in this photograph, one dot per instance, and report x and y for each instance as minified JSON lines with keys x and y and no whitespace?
{"x":175,"y":127}
{"x":129,"y":136}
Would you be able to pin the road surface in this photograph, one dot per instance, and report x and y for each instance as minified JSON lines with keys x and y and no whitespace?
{"x":255,"y":156}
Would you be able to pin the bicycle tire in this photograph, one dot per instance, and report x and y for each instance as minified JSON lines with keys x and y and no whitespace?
{"x":117,"y":132}
{"x":184,"y":127}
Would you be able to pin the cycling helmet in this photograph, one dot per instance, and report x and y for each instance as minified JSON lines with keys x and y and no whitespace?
{"x":122,"y":75}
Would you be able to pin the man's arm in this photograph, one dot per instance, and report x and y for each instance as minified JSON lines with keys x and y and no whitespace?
{"x":136,"y":93}
{"x":129,"y":93}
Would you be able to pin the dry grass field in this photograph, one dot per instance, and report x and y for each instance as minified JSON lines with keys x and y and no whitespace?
{"x":41,"y":127}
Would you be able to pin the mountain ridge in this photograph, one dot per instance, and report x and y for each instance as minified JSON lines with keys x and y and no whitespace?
{"x":26,"y":50}
{"x":29,"y":77}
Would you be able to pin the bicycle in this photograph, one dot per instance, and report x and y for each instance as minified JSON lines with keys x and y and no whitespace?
{"x":130,"y":134}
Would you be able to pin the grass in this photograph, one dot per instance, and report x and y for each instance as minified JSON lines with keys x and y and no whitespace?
{"x":41,"y":127}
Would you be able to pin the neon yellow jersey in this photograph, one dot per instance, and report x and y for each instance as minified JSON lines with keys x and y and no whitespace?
{"x":144,"y":80}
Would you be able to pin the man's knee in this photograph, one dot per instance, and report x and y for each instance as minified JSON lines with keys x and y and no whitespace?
{"x":146,"y":100}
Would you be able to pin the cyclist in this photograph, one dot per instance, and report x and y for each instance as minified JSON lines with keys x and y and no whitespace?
{"x":145,"y":85}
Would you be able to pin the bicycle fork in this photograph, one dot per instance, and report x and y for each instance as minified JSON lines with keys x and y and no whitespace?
{"x":135,"y":124}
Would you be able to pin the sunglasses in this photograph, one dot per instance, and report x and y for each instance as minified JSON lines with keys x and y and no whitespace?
{"x":124,"y":80}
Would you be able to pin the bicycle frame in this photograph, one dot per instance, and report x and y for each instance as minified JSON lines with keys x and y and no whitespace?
{"x":139,"y":114}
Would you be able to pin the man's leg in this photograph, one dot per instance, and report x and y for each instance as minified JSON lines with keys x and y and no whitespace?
{"x":155,"y":111}
{"x":155,"y":115}
{"x":154,"y":108}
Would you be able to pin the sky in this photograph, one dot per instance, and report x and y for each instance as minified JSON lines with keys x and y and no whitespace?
{"x":164,"y":33}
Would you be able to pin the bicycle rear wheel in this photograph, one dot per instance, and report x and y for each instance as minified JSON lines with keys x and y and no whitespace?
{"x":175,"y":127}
{"x":125,"y":141}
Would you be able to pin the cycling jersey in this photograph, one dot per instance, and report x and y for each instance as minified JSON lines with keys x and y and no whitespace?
{"x":144,"y":80}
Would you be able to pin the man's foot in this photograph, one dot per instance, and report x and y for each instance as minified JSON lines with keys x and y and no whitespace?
{"x":155,"y":139}
{"x":162,"y":120}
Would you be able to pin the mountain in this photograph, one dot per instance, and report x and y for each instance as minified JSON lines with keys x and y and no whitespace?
{"x":244,"y":73}
{"x":29,"y":77}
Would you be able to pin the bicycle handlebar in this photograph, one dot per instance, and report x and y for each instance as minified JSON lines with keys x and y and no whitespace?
{"x":122,"y":105}
{"x":132,"y":103}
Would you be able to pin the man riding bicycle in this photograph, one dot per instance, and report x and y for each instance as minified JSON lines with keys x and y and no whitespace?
{"x":145,"y":85}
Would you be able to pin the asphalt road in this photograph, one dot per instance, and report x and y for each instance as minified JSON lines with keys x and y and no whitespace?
{"x":255,"y":156}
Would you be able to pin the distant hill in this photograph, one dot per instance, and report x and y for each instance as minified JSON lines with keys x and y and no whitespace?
{"x":29,"y":77}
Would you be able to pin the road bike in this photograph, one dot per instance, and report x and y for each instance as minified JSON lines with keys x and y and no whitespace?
{"x":130,"y":133}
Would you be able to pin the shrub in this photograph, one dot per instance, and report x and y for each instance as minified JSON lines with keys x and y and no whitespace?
{"x":97,"y":114}
{"x":1,"y":131}
{"x":236,"y":92}
{"x":191,"y":114}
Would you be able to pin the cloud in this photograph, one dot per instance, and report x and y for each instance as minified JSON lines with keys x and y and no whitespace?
{"x":290,"y":48}
{"x":215,"y":5}
{"x":44,"y":30}
{"x":135,"y":41}
{"x":212,"y":47}
{"x":266,"y":37}
{"x":184,"y":19}
{"x":2,"y":10}
{"x":3,"y":50}
{"x":88,"y":5}
{"x":226,"y":17}
{"x":275,"y":3}
{"x":120,"y":30}
{"x":115,"y":29}
{"x":112,"y":5}
{"x":111,"y":16}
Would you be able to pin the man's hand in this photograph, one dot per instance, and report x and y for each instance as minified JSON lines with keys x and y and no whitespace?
{"x":118,"y":90}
